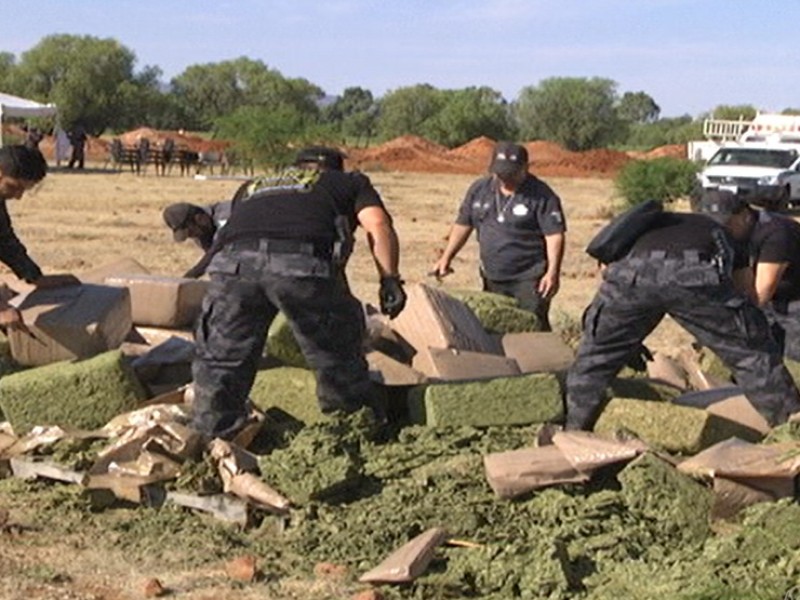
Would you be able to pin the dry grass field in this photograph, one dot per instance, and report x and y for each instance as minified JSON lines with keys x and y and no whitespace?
{"x":77,"y":221}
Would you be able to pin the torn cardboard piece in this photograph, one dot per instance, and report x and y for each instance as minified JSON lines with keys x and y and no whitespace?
{"x":235,"y":468}
{"x":587,"y":451}
{"x":222,"y":506}
{"x":388,"y":371}
{"x":667,"y":369}
{"x":409,"y":561}
{"x":736,"y":458}
{"x":729,"y":403}
{"x":162,"y":301}
{"x":432,"y":318}
{"x":538,"y":351}
{"x":452,"y":364}
{"x":31,"y":468}
{"x":72,"y":322}
{"x":516,"y":472}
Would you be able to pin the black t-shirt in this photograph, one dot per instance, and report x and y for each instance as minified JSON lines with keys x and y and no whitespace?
{"x":776,"y":239}
{"x":674,"y":233}
{"x":301,"y":212}
{"x":511,"y":229}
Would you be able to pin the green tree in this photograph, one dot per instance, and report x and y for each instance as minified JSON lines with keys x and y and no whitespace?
{"x":354,"y":114}
{"x":83,"y":75}
{"x":210,"y":91}
{"x":728,"y":112}
{"x":406,"y":110}
{"x":638,"y":107}
{"x":7,"y":65}
{"x":266,"y":135}
{"x":469,"y":113}
{"x":675,"y":130}
{"x":578,"y":113}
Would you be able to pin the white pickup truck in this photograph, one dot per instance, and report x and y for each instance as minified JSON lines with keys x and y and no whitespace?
{"x":765,"y":173}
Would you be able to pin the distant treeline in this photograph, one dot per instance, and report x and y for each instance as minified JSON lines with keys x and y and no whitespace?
{"x":94,"y":83}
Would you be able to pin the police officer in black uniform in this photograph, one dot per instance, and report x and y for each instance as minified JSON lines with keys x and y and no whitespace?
{"x":520,"y":227}
{"x":683,"y":266}
{"x":199,"y":224}
{"x":773,"y":281}
{"x":282,"y":250}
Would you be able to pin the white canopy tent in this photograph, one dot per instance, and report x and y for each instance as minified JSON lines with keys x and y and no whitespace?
{"x":14,"y":106}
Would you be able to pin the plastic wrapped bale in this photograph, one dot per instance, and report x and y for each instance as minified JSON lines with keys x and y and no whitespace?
{"x":667,"y":426}
{"x":83,"y":394}
{"x":676,"y":506}
{"x":643,"y":389}
{"x":498,"y":313}
{"x":533,"y":398}
{"x":281,"y":344}
{"x":288,"y":390}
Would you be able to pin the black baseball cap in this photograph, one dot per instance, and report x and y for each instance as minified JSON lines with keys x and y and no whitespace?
{"x":508,"y":159}
{"x":177,"y":217}
{"x":720,"y":205}
{"x":324,"y":156}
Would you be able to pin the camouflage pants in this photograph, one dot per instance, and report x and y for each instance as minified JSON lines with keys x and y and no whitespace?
{"x":785,"y":320}
{"x":633,"y":299}
{"x":248,"y":288}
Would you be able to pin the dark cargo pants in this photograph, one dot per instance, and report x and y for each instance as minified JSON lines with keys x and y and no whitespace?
{"x":785,"y":320}
{"x":634,"y":297}
{"x":248,"y":288}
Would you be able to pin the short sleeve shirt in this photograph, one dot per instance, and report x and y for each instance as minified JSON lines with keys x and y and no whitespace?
{"x":511,"y":229}
{"x":776,"y":239}
{"x":303,"y":213}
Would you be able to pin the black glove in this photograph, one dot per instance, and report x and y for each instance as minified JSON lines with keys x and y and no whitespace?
{"x":392,"y":295}
{"x":639,"y":358}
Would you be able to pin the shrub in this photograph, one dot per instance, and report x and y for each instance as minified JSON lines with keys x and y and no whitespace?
{"x":665,"y":179}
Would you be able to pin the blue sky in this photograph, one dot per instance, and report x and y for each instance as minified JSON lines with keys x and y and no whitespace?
{"x":689,"y":55}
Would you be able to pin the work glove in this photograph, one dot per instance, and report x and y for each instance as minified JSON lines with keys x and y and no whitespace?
{"x":392,"y":296}
{"x":639,"y":358}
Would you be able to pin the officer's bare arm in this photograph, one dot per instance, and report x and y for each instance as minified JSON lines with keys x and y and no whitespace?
{"x":767,"y":277}
{"x":458,"y":236}
{"x":382,"y":239}
{"x":554,"y":245}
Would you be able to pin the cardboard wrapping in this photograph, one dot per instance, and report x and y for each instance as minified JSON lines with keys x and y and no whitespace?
{"x":162,"y":301}
{"x":72,"y":322}
{"x":538,"y":351}
{"x":432,"y":318}
{"x":123,"y":265}
{"x":409,"y":561}
{"x":452,"y":364}
{"x":517,"y":472}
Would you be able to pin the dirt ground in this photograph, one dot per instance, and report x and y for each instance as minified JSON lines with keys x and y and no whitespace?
{"x":77,"y":221}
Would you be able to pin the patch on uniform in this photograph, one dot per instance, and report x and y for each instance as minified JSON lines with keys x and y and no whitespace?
{"x":557,"y":216}
{"x":290,"y":180}
{"x":520,"y":210}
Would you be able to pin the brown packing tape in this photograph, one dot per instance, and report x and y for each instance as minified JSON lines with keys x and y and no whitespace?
{"x":409,"y":561}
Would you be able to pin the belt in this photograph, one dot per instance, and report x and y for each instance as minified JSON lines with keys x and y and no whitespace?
{"x":687,"y":255}
{"x":275,"y":246}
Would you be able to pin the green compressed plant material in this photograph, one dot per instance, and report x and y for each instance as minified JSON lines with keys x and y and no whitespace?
{"x":328,"y":455}
{"x":287,"y":390}
{"x":498,"y":313}
{"x":657,"y":491}
{"x":787,"y":432}
{"x":83,"y":394}
{"x":611,"y":539}
{"x":665,"y":426}
{"x":522,"y":400}
{"x":711,"y":364}
{"x":282,"y":345}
